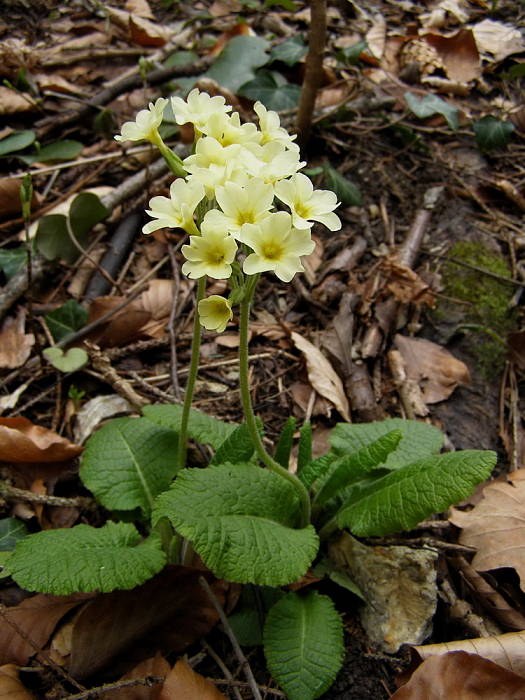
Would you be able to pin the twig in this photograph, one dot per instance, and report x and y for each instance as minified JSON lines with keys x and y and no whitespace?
{"x":231,"y":636}
{"x":220,"y":663}
{"x":241,"y":684}
{"x":11,"y":493}
{"x":149,"y":681}
{"x":313,"y":69}
{"x":102,"y":364}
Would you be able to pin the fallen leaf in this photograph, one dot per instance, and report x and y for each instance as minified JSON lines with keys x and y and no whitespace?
{"x":35,"y":618}
{"x":66,"y":361}
{"x":12,"y":102}
{"x":11,"y":687}
{"x":376,"y":36}
{"x":496,"y":526}
{"x":57,"y":83}
{"x":94,"y":411}
{"x":139,"y":8}
{"x":156,"y":667}
{"x":459,"y":55}
{"x":405,"y":284}
{"x":123,"y":327}
{"x":172,"y":606}
{"x":15,"y":343}
{"x":322,"y":375}
{"x":500,"y":40}
{"x":435,"y":369}
{"x":10,"y":203}
{"x":184,"y":682}
{"x":142,"y":31}
{"x":438,"y":16}
{"x":461,"y":676}
{"x":22,"y":441}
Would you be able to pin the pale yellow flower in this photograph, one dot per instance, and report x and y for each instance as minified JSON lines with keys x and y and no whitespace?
{"x":248,"y":204}
{"x":210,"y":254}
{"x":146,"y":124}
{"x":198,"y":108}
{"x":271,"y":129}
{"x":271,"y":162}
{"x":306,"y":204}
{"x":175,"y":211}
{"x":214,"y":313}
{"x":228,"y":130}
{"x":277,"y":246}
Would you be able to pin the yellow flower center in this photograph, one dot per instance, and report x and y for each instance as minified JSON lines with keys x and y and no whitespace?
{"x":215,"y":256}
{"x":272,"y":251}
{"x":245,"y":217}
{"x":302,"y":210}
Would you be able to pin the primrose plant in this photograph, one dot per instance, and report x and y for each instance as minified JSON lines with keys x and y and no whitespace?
{"x":248,"y":210}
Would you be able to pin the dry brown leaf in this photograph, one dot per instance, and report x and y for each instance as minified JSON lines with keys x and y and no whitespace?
{"x":12,"y":102}
{"x":15,"y":343}
{"x":123,"y":327}
{"x":496,"y":526}
{"x":439,"y":15}
{"x":36,"y":618}
{"x":11,"y":687}
{"x":500,"y":40}
{"x":142,"y":31}
{"x":459,"y":55}
{"x":313,"y":262}
{"x":57,"y":83}
{"x":405,"y":284}
{"x":22,"y":441}
{"x":376,"y":36}
{"x":220,"y":8}
{"x":157,"y":666}
{"x":435,"y":369}
{"x":184,"y":682}
{"x":322,"y":375}
{"x":10,"y":197}
{"x":461,"y":676}
{"x":139,"y":8}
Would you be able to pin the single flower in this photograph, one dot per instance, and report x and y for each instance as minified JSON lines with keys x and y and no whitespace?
{"x":175,"y":211}
{"x":228,"y":130}
{"x":198,"y":108}
{"x":146,"y":124}
{"x":210,"y":254}
{"x":271,"y":162}
{"x":271,"y":129}
{"x":214,"y":313}
{"x":248,"y":204}
{"x":277,"y":246}
{"x":306,"y":204}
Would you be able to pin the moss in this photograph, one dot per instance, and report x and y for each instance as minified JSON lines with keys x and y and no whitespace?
{"x":487,"y":312}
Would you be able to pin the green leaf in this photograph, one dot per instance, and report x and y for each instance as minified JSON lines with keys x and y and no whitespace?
{"x":12,"y":260}
{"x":352,"y":54}
{"x":180,"y":58}
{"x":304,"y":452}
{"x":289,"y":5}
{"x":492,"y":133}
{"x":11,"y":531}
{"x":285,"y":442}
{"x":202,"y":428}
{"x":346,"y":191}
{"x":327,"y":568}
{"x":70,"y":361}
{"x":238,"y":61}
{"x":350,"y":468}
{"x":55,"y":152}
{"x":515,"y":71}
{"x":290,"y":51}
{"x":278,"y":95}
{"x":238,"y":447}
{"x":85,"y":559}
{"x":248,"y":619}
{"x":304,"y":644}
{"x":316,"y":469}
{"x":67,"y":319}
{"x":419,"y":439}
{"x":128,"y":462}
{"x":16,"y":142}
{"x":52,"y":237}
{"x":402,"y":499}
{"x":240,"y":519}
{"x":430,"y":105}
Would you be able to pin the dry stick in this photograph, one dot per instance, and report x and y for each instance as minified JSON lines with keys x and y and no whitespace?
{"x":231,"y":636}
{"x":240,"y":684}
{"x":313,"y":69}
{"x":220,"y":663}
{"x":149,"y":681}
{"x":11,"y":493}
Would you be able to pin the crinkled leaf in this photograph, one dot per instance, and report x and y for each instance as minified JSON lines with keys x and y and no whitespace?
{"x":285,"y":442}
{"x":303,"y":644}
{"x":316,"y":469}
{"x":241,"y":520}
{"x":290,"y":51}
{"x":430,"y":105}
{"x":238,"y":447}
{"x":238,"y":61}
{"x":85,"y":559}
{"x":492,"y":133}
{"x":350,"y":468}
{"x":16,"y":142}
{"x":69,"y":361}
{"x":12,"y":260}
{"x":67,"y":319}
{"x":128,"y":462}
{"x":419,"y":439}
{"x":275,"y":93}
{"x":347,"y":193}
{"x":403,"y":498}
{"x":11,"y":531}
{"x":202,"y":428}
{"x":304,"y":450}
{"x":55,"y":152}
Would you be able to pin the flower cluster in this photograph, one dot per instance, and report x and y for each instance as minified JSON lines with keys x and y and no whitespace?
{"x":238,"y":179}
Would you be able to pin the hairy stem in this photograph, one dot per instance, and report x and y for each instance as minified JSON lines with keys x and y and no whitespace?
{"x":249,"y":415}
{"x":192,"y":376}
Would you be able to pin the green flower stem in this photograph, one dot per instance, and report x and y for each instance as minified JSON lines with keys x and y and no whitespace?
{"x":192,"y":376}
{"x":249,"y":415}
{"x":172,"y":159}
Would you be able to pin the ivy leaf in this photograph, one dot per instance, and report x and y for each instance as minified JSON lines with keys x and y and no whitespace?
{"x":55,"y":152}
{"x":69,"y":361}
{"x":419,"y":439}
{"x":238,"y":61}
{"x":402,"y":499}
{"x":430,"y":105}
{"x":16,"y":142}
{"x":346,"y":191}
{"x":128,"y":462}
{"x":241,"y":521}
{"x":12,"y":260}
{"x":202,"y":428}
{"x":285,"y":442}
{"x":304,"y":644}
{"x":11,"y":531}
{"x":273,"y":90}
{"x":290,"y":51}
{"x":67,"y":319}
{"x":492,"y":133}
{"x":82,"y":559}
